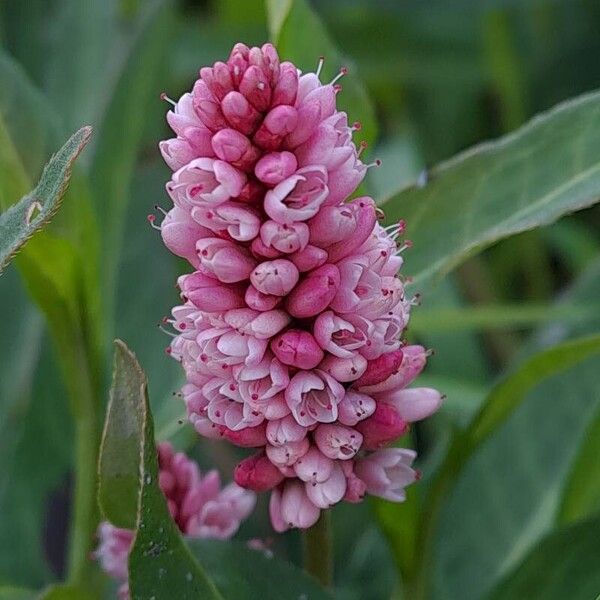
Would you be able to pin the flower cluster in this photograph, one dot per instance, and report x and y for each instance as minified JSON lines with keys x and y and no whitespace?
{"x":290,"y":331}
{"x":197,"y":504}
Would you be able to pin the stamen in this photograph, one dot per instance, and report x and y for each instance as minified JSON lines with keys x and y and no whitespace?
{"x":166,"y":331}
{"x":361,"y":148}
{"x":356,"y":126}
{"x":342,"y":72}
{"x":379,"y":212}
{"x":163,"y":96}
{"x":160,"y":209}
{"x":151,"y":219}
{"x":320,"y":65}
{"x":375,"y":163}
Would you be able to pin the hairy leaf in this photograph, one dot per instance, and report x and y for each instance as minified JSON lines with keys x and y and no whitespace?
{"x":31,"y":213}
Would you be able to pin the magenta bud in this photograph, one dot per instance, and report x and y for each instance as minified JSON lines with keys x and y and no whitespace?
{"x":380,"y":369}
{"x":250,"y":437}
{"x":413,"y":362}
{"x":209,"y":295}
{"x":207,"y":107}
{"x":256,"y":88}
{"x":344,"y":369}
{"x":286,"y":86}
{"x":259,"y":301}
{"x":275,"y":277}
{"x":308,"y":259}
{"x":338,"y":442}
{"x":332,"y":224}
{"x":297,"y":348}
{"x":287,"y":454}
{"x":415,"y":404}
{"x":283,"y":237}
{"x":277,"y":124}
{"x":383,"y":427}
{"x":180,"y":232}
{"x":275,"y":167}
{"x":314,"y":293}
{"x":230,"y":145}
{"x":314,"y":466}
{"x":355,"y":407}
{"x":227,"y":261}
{"x":365,"y":222}
{"x":240,"y":114}
{"x":257,"y":473}
{"x":260,"y":250}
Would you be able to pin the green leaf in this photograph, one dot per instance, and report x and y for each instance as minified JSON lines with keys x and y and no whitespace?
{"x":289,"y":22}
{"x":119,"y":463}
{"x":120,"y":133}
{"x":13,"y":593}
{"x":240,"y":573}
{"x":501,"y":316}
{"x":160,"y":564}
{"x":530,"y":178}
{"x":581,"y":497}
{"x":563,"y":565}
{"x":31,"y":213}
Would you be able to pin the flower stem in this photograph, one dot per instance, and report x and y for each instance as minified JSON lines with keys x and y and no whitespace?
{"x":317,"y":550}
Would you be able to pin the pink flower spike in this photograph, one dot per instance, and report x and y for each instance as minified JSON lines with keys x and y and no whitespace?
{"x":296,"y":508}
{"x":337,"y":441}
{"x":329,"y":492}
{"x":314,"y":293}
{"x":276,"y":277}
{"x":387,"y":472}
{"x":297,"y":348}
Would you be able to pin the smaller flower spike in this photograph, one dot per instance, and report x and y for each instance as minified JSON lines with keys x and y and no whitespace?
{"x":197,"y":503}
{"x":291,"y":323}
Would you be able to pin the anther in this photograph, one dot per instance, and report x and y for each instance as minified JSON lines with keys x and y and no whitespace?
{"x":166,"y":331}
{"x":361,"y":148}
{"x":342,"y":72}
{"x":163,"y":96}
{"x":151,"y":219}
{"x":356,"y":126}
{"x":320,"y":65}
{"x":160,"y":209}
{"x":375,"y":163}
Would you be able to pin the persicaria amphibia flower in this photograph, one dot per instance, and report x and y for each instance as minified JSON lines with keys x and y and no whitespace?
{"x":291,"y":323}
{"x":197,"y":503}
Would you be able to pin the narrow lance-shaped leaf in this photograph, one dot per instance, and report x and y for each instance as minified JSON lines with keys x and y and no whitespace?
{"x":564,"y":565}
{"x":581,"y":497}
{"x":31,"y":213}
{"x":548,"y":168}
{"x":160,"y":564}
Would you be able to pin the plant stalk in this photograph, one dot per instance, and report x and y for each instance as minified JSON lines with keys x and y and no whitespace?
{"x":318,"y":551}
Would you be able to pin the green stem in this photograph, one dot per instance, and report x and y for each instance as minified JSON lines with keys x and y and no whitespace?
{"x":317,"y":550}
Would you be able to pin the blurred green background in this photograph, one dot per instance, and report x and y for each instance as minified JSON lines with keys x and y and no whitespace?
{"x":441,"y":75}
